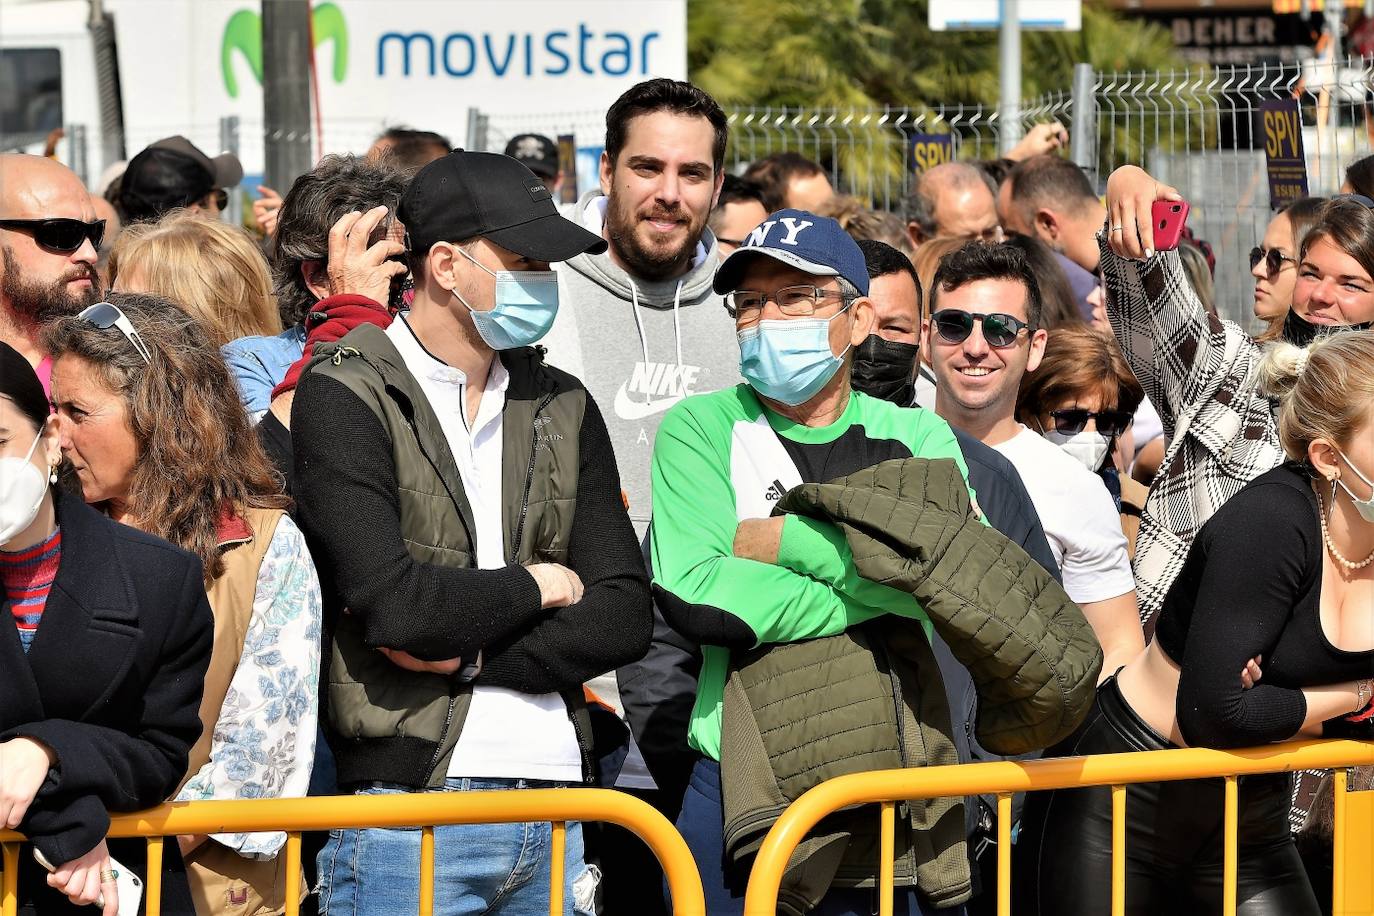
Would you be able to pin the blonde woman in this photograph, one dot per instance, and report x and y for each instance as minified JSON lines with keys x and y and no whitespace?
{"x":212,"y":269}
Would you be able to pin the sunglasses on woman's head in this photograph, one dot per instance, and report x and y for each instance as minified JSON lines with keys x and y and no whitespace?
{"x":999,"y":330}
{"x":104,"y":316}
{"x":61,"y":235}
{"x":1110,"y":423}
{"x":1273,"y":260}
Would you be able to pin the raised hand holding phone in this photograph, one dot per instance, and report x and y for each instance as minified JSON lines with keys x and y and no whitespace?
{"x":1131,"y":196}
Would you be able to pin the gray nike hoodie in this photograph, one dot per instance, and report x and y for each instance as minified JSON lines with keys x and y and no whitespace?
{"x":640,"y":346}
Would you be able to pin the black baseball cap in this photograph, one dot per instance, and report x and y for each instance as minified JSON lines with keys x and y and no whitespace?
{"x":536,"y":152}
{"x":467,"y":195}
{"x":172,"y":173}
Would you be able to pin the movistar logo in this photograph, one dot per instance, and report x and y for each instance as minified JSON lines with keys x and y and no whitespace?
{"x":243,"y":33}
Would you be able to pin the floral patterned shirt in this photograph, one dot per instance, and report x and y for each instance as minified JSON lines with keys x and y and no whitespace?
{"x":264,"y":741}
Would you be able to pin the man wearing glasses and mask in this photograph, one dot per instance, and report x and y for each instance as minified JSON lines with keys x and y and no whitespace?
{"x":984,"y":337}
{"x":49,"y":236}
{"x":728,"y":573}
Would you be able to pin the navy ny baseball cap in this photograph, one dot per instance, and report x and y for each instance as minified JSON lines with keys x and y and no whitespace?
{"x":813,"y":244}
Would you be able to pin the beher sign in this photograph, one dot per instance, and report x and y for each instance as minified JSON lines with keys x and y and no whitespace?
{"x":1281,"y":121}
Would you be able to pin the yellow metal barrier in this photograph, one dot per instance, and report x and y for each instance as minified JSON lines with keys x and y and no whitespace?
{"x":429,"y":809}
{"x":1002,"y":778}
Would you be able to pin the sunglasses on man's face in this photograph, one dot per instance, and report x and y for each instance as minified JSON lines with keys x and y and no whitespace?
{"x":1273,"y":260}
{"x":221,"y":199}
{"x":1110,"y":423}
{"x":61,"y":235}
{"x":999,"y":330}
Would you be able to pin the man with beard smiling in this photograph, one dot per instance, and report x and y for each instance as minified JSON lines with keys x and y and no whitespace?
{"x":49,"y":236}
{"x":642,"y":328}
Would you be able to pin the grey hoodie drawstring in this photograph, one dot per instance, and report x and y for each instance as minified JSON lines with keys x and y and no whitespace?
{"x":643,"y":339}
{"x":677,"y":325}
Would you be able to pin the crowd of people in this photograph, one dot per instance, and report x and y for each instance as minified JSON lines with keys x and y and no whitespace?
{"x":708,"y":488}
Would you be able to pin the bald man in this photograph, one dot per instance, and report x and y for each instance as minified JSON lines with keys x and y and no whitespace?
{"x":954,"y":200}
{"x":47,"y":270}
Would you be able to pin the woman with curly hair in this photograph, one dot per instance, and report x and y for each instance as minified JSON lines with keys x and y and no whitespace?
{"x":153,"y":427}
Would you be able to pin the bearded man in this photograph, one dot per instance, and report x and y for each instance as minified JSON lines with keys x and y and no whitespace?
{"x":49,"y":241}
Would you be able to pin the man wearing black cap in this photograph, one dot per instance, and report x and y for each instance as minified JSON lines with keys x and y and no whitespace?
{"x":464,"y":508}
{"x":539,"y":154}
{"x":173,"y":173}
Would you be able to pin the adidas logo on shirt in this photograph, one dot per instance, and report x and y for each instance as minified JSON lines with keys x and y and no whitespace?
{"x":775,"y":492}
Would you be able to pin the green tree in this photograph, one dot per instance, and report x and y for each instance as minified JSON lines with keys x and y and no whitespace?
{"x":821,"y":53}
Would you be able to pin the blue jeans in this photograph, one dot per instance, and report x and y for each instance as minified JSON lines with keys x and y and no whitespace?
{"x":702,"y":825}
{"x":478,"y":868}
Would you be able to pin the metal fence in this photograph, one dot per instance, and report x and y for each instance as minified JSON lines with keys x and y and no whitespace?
{"x":1195,"y":129}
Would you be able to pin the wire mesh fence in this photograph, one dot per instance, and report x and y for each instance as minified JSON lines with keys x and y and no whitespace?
{"x":1197,"y":129}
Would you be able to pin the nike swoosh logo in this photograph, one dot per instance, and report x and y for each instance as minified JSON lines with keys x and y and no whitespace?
{"x":629,"y":409}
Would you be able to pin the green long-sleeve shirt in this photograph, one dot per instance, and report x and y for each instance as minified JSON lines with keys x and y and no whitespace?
{"x":715,"y":461}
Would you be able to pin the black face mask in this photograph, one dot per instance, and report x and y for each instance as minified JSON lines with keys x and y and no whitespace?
{"x":883,"y":369}
{"x":1300,"y":332}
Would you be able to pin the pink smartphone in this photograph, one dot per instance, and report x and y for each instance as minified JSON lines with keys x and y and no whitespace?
{"x":1169,"y":217}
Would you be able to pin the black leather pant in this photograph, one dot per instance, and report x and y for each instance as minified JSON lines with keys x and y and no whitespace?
{"x":1174,"y":834}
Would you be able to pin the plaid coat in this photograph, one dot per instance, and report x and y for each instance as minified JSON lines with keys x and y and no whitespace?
{"x":1200,"y":373}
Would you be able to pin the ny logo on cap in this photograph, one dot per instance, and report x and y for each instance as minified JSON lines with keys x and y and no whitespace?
{"x":791,"y":226}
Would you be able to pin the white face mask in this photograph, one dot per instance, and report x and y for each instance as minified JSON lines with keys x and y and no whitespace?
{"x":22,"y":487}
{"x":1087,"y":448}
{"x":1363,"y":506}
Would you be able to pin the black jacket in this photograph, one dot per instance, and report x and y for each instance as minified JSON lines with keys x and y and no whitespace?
{"x":112,"y":683}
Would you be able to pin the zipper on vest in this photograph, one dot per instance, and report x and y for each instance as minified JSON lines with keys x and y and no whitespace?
{"x":529,"y":481}
{"x":583,"y":747}
{"x":443,"y":733}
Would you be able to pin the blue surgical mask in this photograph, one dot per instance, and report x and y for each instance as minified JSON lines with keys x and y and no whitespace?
{"x":526,"y":305}
{"x":789,"y":360}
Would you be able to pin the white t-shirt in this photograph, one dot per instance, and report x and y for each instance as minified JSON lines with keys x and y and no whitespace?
{"x":1078,"y":515}
{"x":507,"y":734}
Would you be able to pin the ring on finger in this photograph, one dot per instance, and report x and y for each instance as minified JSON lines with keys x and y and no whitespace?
{"x":1118,"y":229}
{"x":109,"y":876}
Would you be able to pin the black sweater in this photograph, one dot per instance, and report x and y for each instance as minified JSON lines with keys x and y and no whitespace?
{"x":1252,"y":586}
{"x":345,"y":489}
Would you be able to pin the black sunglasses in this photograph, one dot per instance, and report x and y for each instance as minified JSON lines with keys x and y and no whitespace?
{"x":1273,"y":260}
{"x":221,"y":197}
{"x":63,"y":235}
{"x":1110,"y":423}
{"x":999,"y":330}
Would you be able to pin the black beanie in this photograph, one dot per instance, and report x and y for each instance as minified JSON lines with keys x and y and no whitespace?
{"x":20,"y":384}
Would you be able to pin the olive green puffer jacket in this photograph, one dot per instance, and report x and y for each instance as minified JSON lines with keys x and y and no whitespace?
{"x":1032,"y":655}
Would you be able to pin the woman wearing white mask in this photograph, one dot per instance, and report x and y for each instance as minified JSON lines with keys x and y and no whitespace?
{"x":104,"y":641}
{"x":1083,"y":398}
{"x":1281,"y":576}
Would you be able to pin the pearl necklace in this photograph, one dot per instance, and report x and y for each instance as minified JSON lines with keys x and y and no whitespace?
{"x":1326,"y":535}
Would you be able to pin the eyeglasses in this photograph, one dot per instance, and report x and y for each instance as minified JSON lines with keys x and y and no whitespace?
{"x":1110,"y":423}
{"x":1273,"y":260}
{"x":61,"y":235}
{"x":746,"y":305}
{"x":999,"y":330}
{"x":221,"y":199}
{"x":105,"y":316}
